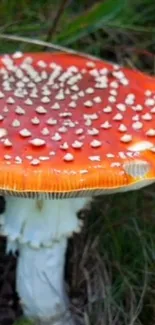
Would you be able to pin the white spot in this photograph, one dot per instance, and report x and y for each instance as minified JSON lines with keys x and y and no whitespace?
{"x":114,"y":84}
{"x":83,"y":171}
{"x":7,"y":143}
{"x":118,"y":117}
{"x":41,"y":64}
{"x":107,"y":109}
{"x":19,"y":110}
{"x":72,"y":104}
{"x":90,"y":116}
{"x":75,"y":88}
{"x":104,"y":71}
{"x":137,"y":108}
{"x":5,"y":109}
{"x":153,"y":110}
{"x":124,"y":81}
{"x":126,"y":138}
{"x":137,"y":125}
{"x":97,"y":99}
{"x":74,"y":97}
{"x":38,"y":142}
{"x":148,"y":92}
{"x":110,"y":155}
{"x":65,"y":114}
{"x":88,"y":103}
{"x":68,"y":157}
{"x":69,"y":123}
{"x":55,"y":106}
{"x":81,"y":93}
{"x":130,"y":99}
{"x":79,"y":131}
{"x":28,"y":101}
{"x":17,"y":55}
{"x":67,"y":91}
{"x":31,"y":84}
{"x":56,"y":137}
{"x":89,"y":90}
{"x":18,"y":160}
{"x":93,"y":131}
{"x":122,"y":128}
{"x":60,"y":95}
{"x":94,"y":73}
{"x":101,"y":85}
{"x":35,"y":162}
{"x":52,"y":153}
{"x":16,"y":123}
{"x":150,"y":133}
{"x":29,"y":157}
{"x":135,"y":118}
{"x":122,"y":155}
{"x":10,"y":100}
{"x":35,"y":120}
{"x":147,"y":117}
{"x":106,"y":125}
{"x":1,"y":95}
{"x":149,"y":102}
{"x":77,"y":144}
{"x":7,"y":157}
{"x":90,"y":64}
{"x":45,"y":131}
{"x":121,"y":107}
{"x":112,"y":99}
{"x":94,"y":158}
{"x":62,"y":129}
{"x":3,"y":132}
{"x":25,"y":133}
{"x":41,"y":110}
{"x":51,"y":121}
{"x":64,"y":146}
{"x":88,"y":122}
{"x":95,"y":143}
{"x":33,"y":93}
{"x":113,"y":92}
{"x":141,"y":146}
{"x":46,"y":92}
{"x":45,"y":99}
{"x":44,"y":158}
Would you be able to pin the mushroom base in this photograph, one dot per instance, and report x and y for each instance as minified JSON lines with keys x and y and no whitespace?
{"x":39,"y":229}
{"x":40,"y":284}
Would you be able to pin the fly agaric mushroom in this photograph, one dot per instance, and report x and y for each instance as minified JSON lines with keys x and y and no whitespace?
{"x":70,"y":128}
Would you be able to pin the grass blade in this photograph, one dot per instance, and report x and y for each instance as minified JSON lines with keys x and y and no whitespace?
{"x":91,"y":20}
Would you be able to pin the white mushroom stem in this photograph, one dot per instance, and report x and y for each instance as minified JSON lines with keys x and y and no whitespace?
{"x":40,"y":284}
{"x":40,"y":228}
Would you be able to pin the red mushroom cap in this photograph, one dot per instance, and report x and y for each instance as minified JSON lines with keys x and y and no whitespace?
{"x":69,"y":124}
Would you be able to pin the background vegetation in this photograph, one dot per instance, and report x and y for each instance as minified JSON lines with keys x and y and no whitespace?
{"x":111,"y":265}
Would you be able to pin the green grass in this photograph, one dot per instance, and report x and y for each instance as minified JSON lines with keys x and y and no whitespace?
{"x":117,"y":266}
{"x":113,"y":259}
{"x":23,"y":321}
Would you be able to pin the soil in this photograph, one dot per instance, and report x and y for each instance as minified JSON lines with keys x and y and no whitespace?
{"x":9,"y":306}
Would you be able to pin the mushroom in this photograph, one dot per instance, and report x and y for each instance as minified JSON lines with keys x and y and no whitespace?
{"x":70,"y":128}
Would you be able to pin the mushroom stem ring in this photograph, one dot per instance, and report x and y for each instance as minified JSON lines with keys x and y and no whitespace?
{"x":39,"y":229}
